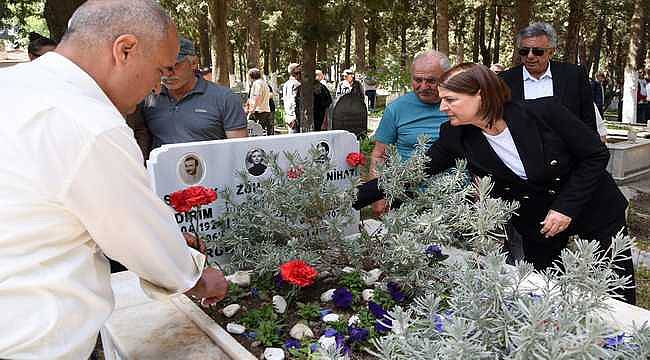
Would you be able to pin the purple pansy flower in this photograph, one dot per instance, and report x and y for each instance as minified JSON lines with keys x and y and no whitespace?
{"x":292,"y":344}
{"x":439,"y":323}
{"x":255,"y":292}
{"x":251,"y":335}
{"x":329,"y":332}
{"x":376,"y":310}
{"x":340,"y":344}
{"x":395,"y":292}
{"x":382,"y":326}
{"x":358,"y":334}
{"x":314,"y":347}
{"x":342,"y":298}
{"x":615,"y":341}
{"x":279,"y":281}
{"x":434,"y":250}
{"x":535,"y":297}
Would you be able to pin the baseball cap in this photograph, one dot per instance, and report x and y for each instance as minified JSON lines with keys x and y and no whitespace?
{"x":187,"y":48}
{"x":348,"y":72}
{"x":292,"y":67}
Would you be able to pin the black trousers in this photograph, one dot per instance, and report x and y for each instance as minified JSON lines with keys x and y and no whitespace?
{"x":542,"y":252}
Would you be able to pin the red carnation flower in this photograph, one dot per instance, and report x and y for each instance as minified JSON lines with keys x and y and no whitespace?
{"x":298,"y":272}
{"x":294,"y":173}
{"x":185,"y":200}
{"x":355,"y":159}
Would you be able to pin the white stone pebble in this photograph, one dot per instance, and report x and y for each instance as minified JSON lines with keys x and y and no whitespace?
{"x":234,"y":328}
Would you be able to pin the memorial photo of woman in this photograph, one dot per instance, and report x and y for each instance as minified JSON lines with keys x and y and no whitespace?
{"x":256,"y":162}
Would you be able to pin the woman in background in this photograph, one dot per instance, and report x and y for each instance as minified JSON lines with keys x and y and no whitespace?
{"x":39,"y":45}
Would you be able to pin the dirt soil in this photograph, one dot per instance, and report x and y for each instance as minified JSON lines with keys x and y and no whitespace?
{"x":639,"y":220}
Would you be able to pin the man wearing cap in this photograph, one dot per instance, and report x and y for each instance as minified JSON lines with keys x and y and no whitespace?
{"x":289,"y":92}
{"x":190,"y":108}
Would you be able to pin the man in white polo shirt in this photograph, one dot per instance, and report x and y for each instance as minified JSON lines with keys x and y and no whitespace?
{"x":73,"y":187}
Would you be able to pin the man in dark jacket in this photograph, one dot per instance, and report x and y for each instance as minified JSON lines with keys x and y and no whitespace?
{"x":539,"y":77}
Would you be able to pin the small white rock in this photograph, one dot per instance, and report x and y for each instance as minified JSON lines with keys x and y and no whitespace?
{"x":348,"y":270}
{"x":273,"y":354}
{"x":327,"y":296}
{"x":279,"y":304}
{"x":327,"y":341}
{"x":354,"y":320}
{"x":235,"y":328}
{"x":367,"y":294}
{"x":331,"y":318}
{"x":300,"y":331}
{"x":372,"y":276}
{"x":240,"y":278}
{"x":230,"y":310}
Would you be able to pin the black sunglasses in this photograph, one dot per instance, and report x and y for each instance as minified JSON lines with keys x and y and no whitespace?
{"x":524,"y":51}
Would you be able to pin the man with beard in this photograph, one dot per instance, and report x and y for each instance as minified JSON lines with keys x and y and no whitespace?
{"x":539,"y":77}
{"x":190,"y":108}
{"x":413,"y":114}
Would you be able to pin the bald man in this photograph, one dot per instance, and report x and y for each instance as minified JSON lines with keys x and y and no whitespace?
{"x":73,"y":187}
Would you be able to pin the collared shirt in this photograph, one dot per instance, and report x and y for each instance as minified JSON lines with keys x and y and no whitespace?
{"x":537,"y":88}
{"x":405,"y":119}
{"x":289,"y":91}
{"x":205,"y":113}
{"x":73,"y":188}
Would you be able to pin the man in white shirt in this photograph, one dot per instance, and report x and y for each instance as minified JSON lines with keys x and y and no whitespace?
{"x":73,"y":187}
{"x":539,"y":77}
{"x":258,"y":104}
{"x":289,"y":92}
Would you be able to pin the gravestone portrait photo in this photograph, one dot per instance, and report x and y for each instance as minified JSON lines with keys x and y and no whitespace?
{"x":256,"y":161}
{"x":324,"y":150}
{"x":190,"y":169}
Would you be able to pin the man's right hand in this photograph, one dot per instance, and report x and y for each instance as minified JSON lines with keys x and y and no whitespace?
{"x":212,"y":287}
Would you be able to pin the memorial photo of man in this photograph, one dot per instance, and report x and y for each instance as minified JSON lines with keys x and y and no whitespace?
{"x":256,"y":162}
{"x":191,"y":170}
{"x":324,"y":149}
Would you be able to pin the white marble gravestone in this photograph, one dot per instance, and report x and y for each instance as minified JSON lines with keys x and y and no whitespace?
{"x":216,"y":164}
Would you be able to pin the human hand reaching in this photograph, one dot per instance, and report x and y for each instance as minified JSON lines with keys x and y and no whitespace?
{"x":554,"y":223}
{"x":194,"y":242}
{"x":211,"y":288}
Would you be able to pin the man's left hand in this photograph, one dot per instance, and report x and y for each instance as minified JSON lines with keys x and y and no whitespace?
{"x":554,"y":223}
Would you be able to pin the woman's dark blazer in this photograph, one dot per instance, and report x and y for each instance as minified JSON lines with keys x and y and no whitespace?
{"x":565,"y":163}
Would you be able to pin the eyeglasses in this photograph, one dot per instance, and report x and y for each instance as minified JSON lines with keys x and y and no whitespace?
{"x":524,"y":51}
{"x":428,"y":81}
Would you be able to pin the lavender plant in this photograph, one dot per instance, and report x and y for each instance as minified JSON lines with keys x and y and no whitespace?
{"x":295,"y":213}
{"x":495,"y":311}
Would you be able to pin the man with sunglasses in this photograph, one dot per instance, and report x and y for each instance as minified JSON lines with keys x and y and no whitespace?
{"x":190,"y":108}
{"x":538,"y":76}
{"x":412,"y":114}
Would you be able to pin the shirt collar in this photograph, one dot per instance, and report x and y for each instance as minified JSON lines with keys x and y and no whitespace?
{"x":71,"y":74}
{"x":528,"y":76}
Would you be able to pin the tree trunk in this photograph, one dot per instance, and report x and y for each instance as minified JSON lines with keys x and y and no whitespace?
{"x":598,"y":40}
{"x":573,"y":31}
{"x":57,"y":13}
{"x":434,"y":27}
{"x":373,"y":38}
{"x":442,"y":31}
{"x":360,"y":43}
{"x":310,"y":36}
{"x":631,"y":75}
{"x":522,"y":18}
{"x":404,"y":55}
{"x":497,"y":34}
{"x":266,"y":55}
{"x":348,"y":44}
{"x":274,"y":53}
{"x":321,"y":54}
{"x":460,"y":45}
{"x":204,"y":39}
{"x":643,"y":48}
{"x":221,"y":52}
{"x":478,"y":34}
{"x":254,"y":30}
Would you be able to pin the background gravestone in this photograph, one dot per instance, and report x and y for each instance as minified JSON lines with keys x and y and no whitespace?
{"x":349,"y":113}
{"x":216,"y":164}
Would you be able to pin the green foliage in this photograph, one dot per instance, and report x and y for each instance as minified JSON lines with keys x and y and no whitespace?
{"x":268,"y":332}
{"x":254,"y":317}
{"x":340,"y":326}
{"x":308,"y":311}
{"x":235,"y":293}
